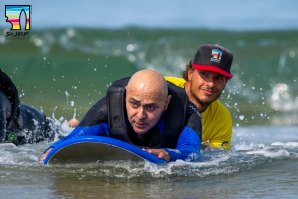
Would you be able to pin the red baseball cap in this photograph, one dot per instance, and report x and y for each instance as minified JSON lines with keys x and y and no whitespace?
{"x":214,"y":58}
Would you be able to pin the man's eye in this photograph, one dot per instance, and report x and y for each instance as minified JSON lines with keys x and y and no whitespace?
{"x":220,"y":78}
{"x":150,"y":108}
{"x":204,"y":74}
{"x":134,"y":104}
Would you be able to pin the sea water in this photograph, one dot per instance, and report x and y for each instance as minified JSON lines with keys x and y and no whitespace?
{"x":64,"y":71}
{"x":262,"y":164}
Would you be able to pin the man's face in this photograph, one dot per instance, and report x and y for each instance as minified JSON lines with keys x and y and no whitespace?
{"x":206,"y":86}
{"x":144,"y":109}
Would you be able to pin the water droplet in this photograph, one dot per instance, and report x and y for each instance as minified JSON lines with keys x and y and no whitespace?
{"x":292,"y":53}
{"x":130,"y":47}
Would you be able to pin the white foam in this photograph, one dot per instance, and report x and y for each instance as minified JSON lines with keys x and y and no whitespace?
{"x":271,"y":154}
{"x":290,"y":145}
{"x":6,"y":158}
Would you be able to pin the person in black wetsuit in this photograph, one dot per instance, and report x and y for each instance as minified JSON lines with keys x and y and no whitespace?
{"x":20,"y":123}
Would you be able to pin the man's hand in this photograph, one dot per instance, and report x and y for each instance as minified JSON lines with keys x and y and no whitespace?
{"x":44,"y":155}
{"x":160,"y":153}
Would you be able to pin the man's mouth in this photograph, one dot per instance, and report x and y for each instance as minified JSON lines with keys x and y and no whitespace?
{"x":208,"y":91}
{"x":141,"y":124}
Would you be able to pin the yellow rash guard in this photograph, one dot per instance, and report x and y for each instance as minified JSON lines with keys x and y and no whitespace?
{"x":216,"y":122}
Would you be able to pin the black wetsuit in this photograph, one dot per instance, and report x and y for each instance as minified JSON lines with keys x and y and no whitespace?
{"x":20,"y":123}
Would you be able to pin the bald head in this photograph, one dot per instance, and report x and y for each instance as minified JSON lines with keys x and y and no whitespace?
{"x":148,"y":82}
{"x":146,"y":99}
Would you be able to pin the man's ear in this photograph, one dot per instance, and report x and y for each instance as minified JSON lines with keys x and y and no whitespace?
{"x":189,"y":74}
{"x":168,"y":101}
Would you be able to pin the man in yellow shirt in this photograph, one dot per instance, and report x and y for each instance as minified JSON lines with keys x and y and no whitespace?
{"x":204,"y":80}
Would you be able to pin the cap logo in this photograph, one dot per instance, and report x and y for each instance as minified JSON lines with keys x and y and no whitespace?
{"x":216,"y":55}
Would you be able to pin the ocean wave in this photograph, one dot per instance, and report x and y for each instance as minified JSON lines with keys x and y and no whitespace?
{"x":213,"y":162}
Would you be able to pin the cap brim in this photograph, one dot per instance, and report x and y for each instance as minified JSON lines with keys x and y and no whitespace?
{"x":212,"y":68}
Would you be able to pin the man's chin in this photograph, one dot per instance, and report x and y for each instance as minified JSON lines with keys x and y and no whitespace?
{"x":140,"y":131}
{"x":208,"y":100}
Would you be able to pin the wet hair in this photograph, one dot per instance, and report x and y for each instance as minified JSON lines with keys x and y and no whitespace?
{"x":185,"y":72}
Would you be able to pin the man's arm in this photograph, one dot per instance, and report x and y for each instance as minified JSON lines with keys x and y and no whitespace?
{"x":189,"y":142}
{"x":188,"y":147}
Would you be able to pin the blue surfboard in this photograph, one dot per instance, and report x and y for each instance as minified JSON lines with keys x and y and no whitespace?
{"x":97,"y":149}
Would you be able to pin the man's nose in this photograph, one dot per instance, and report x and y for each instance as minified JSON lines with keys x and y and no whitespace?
{"x":141,"y":113}
{"x":211,"y":81}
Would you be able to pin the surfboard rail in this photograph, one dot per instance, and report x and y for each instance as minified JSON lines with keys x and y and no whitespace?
{"x":96,"y":149}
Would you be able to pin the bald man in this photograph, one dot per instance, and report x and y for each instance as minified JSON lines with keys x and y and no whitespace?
{"x":147,"y":112}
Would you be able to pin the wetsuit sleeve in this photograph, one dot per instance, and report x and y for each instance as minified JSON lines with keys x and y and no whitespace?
{"x":97,"y":130}
{"x":97,"y":114}
{"x":188,"y":146}
{"x":189,"y":142}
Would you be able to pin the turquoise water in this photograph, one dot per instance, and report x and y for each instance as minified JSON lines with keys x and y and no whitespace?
{"x":64,"y":71}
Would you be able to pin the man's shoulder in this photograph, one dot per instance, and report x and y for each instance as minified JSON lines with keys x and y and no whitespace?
{"x":216,"y":112}
{"x":218,"y":107}
{"x":217,"y":123}
{"x":176,"y":80}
